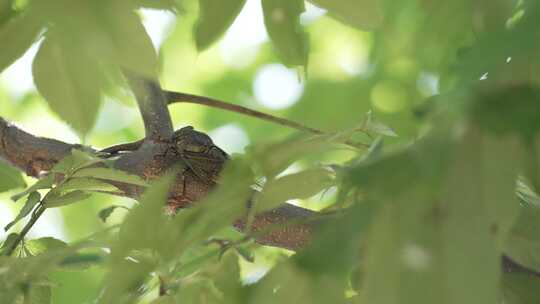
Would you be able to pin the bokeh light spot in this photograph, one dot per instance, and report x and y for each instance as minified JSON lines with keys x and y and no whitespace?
{"x":158,"y":24}
{"x":230,"y":138}
{"x":388,"y":97}
{"x":240,"y":46}
{"x":428,"y":84}
{"x":277,"y":87}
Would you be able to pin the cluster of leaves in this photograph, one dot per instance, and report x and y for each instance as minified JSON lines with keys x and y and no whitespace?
{"x":27,"y":263}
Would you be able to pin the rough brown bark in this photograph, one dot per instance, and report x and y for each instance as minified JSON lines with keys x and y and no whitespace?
{"x":36,"y":155}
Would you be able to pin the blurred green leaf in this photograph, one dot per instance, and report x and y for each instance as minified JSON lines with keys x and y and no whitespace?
{"x":74,"y":91}
{"x":76,"y":160}
{"x":281,"y":18}
{"x":8,"y":242}
{"x":65,"y":199}
{"x":144,"y":227}
{"x":41,"y":245}
{"x":425,"y":162}
{"x":426,"y":240}
{"x":493,"y":111}
{"x":523,"y":243}
{"x":106,"y":212}
{"x":363,"y":14}
{"x":371,"y":125}
{"x":31,"y":202}
{"x":288,"y":283}
{"x":338,"y":242}
{"x":527,"y":196}
{"x":45,"y":182}
{"x":124,"y":281}
{"x":6,"y":11}
{"x":10,"y":178}
{"x":111,"y":174}
{"x":18,"y":33}
{"x":165,"y":300}
{"x":211,"y":215}
{"x":299,"y":185}
{"x":520,"y":289}
{"x":38,"y":295}
{"x":144,"y":224}
{"x":85,"y":184}
{"x":195,"y":264}
{"x":275,"y":157}
{"x":214,"y":19}
{"x":133,"y":49}
{"x":219,"y":282}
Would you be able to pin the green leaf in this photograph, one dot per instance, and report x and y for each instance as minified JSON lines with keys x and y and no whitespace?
{"x":133,"y":49}
{"x":31,"y":202}
{"x":44,"y":183}
{"x":76,"y":160}
{"x":220,"y":284}
{"x":85,"y":184}
{"x":125,"y":279}
{"x":215,"y":17}
{"x":523,"y":243}
{"x":145,"y":224}
{"x":10,"y":178}
{"x":518,"y":288}
{"x":195,"y":264}
{"x":165,"y":300}
{"x":6,"y":11}
{"x":44,"y":244}
{"x":299,"y":185}
{"x":65,"y":199}
{"x":288,"y":283}
{"x":8,"y":242}
{"x":111,"y":174}
{"x":19,"y":34}
{"x":281,"y":18}
{"x":274,"y":158}
{"x":372,"y":125}
{"x":442,"y":244}
{"x":106,"y":212}
{"x":363,"y":14}
{"x":527,"y":196}
{"x":74,"y":91}
{"x":38,"y":295}
{"x":211,"y":215}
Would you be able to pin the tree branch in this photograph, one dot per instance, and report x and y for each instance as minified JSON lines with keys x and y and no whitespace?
{"x":153,"y":107}
{"x":295,"y":225}
{"x":37,"y":155}
{"x":29,"y":153}
{"x":177,"y":97}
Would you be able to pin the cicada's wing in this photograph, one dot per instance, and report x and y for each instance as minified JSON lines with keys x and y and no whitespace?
{"x":206,"y":165}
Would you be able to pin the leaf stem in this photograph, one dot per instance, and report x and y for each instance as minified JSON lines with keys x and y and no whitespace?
{"x":33,"y":219}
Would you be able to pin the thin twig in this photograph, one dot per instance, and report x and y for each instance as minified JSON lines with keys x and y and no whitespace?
{"x":177,"y":97}
{"x":162,"y":287}
{"x":33,"y":219}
